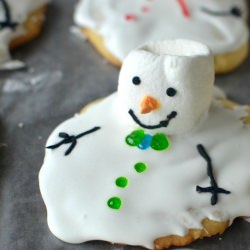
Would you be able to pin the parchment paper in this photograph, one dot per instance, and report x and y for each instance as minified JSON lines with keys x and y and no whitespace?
{"x":64,"y":74}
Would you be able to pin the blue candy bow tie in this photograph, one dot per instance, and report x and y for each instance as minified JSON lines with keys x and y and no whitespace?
{"x":138,"y":138}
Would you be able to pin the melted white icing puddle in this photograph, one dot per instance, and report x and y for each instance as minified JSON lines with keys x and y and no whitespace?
{"x":161,"y":201}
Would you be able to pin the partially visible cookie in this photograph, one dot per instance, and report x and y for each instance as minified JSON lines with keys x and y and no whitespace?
{"x":21,"y":22}
{"x":224,"y":63}
{"x":32,"y":27}
{"x":117,"y":28}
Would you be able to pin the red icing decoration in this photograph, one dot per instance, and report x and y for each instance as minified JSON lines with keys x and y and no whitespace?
{"x":145,"y":9}
{"x":184,"y":8}
{"x":131,"y":17}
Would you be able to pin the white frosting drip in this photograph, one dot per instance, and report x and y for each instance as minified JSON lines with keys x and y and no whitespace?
{"x":163,"y":20}
{"x":19,"y":11}
{"x":159,"y":202}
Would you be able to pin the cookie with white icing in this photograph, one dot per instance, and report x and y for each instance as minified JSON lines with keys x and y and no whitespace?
{"x":155,"y":164}
{"x":120,"y":26}
{"x":20,"y":22}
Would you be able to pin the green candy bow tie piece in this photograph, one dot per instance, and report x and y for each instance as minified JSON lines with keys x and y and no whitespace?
{"x":143,"y":141}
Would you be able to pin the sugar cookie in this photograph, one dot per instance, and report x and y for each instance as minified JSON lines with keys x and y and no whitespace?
{"x":20,"y":22}
{"x":120,"y":26}
{"x":158,"y":163}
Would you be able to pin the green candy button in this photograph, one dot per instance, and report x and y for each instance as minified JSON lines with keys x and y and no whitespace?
{"x":135,"y":138}
{"x":140,"y":167}
{"x":121,"y":182}
{"x":115,"y":203}
{"x":160,"y":142}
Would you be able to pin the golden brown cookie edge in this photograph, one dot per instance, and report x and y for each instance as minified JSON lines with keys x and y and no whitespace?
{"x":224,"y":63}
{"x":32,"y":26}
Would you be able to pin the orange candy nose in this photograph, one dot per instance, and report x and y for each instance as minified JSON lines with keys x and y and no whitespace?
{"x":149,"y":104}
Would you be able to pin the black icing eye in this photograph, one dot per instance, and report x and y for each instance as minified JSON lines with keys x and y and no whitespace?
{"x":236,"y":11}
{"x":171,"y":92}
{"x":136,"y":80}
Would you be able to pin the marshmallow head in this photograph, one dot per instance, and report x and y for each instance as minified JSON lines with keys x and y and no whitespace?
{"x":167,"y":85}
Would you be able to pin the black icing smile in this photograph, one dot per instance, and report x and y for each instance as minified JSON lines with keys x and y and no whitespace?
{"x":234,"y":11}
{"x":162,"y":124}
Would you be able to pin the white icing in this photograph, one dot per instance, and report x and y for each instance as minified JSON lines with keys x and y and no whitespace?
{"x":12,"y":65}
{"x":164,"y":20}
{"x":77,"y":32}
{"x":219,"y":93}
{"x":163,"y":200}
{"x":19,"y":11}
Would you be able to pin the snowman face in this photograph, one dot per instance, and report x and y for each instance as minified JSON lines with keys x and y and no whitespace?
{"x":220,"y":24}
{"x":167,"y":85}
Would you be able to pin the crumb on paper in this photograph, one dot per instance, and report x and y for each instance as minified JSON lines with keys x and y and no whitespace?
{"x":14,"y":85}
{"x":12,"y":65}
{"x":37,"y":79}
{"x":46,"y":78}
{"x":20,"y":125}
{"x":77,"y":32}
{"x":25,"y":82}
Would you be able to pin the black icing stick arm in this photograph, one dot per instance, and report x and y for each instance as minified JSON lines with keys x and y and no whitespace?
{"x":7,"y":23}
{"x":213,"y":189}
{"x":71,"y":139}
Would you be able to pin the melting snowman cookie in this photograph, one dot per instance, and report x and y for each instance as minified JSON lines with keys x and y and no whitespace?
{"x":155,"y":164}
{"x":20,"y":22}
{"x":120,"y":26}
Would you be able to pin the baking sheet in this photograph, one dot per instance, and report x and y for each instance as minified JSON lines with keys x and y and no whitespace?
{"x":64,"y":74}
